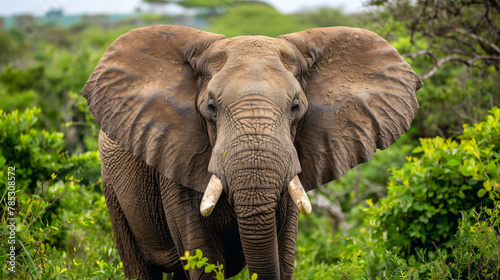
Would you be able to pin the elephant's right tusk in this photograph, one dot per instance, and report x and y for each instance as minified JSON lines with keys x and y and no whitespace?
{"x":211,"y":196}
{"x":299,"y":196}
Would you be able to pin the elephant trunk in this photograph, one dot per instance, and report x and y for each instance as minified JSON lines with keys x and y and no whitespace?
{"x":255,"y":189}
{"x":255,"y":159}
{"x":258,"y":231}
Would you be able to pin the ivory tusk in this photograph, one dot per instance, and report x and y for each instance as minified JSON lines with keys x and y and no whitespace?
{"x":299,"y":196}
{"x":211,"y":196}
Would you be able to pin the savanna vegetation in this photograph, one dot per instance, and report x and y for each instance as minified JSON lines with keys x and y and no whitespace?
{"x":426,"y":208}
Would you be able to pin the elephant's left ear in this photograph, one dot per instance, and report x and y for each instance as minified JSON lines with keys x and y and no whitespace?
{"x":143,"y":95}
{"x":361,"y":96}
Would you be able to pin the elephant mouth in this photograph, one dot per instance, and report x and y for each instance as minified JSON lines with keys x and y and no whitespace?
{"x":214,"y":191}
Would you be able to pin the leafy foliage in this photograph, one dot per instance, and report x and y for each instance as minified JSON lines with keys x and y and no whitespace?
{"x":109,"y":271}
{"x":452,"y":45}
{"x":60,"y":206}
{"x":255,"y":19}
{"x":326,"y":16}
{"x":194,"y":3}
{"x":454,"y":31}
{"x":348,"y":270}
{"x":198,"y":262}
{"x":429,"y":194}
{"x":37,"y":154}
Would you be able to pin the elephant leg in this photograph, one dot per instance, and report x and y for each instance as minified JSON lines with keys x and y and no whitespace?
{"x":191,"y":231}
{"x":134,"y":203}
{"x":133,"y":263}
{"x":288,"y":219}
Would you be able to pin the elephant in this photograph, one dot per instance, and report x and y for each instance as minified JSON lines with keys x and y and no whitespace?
{"x":211,"y":143}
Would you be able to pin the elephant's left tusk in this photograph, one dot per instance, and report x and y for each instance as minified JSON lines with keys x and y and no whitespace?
{"x":299,"y":196}
{"x":211,"y":196}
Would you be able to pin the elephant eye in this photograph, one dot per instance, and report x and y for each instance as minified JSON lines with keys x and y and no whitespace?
{"x":295,"y":106}
{"x":211,"y":105}
{"x":212,"y":108}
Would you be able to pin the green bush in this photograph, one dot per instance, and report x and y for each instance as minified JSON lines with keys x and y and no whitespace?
{"x":13,"y":79}
{"x":431,"y":193}
{"x":476,"y":253}
{"x":36,"y":154}
{"x":62,"y":227}
{"x":60,"y":208}
{"x":255,"y":19}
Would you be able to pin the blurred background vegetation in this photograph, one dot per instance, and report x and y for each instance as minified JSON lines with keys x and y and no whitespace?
{"x":426,"y":208}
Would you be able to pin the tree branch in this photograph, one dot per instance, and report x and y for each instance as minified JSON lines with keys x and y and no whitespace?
{"x":334,"y":211}
{"x":479,"y":38}
{"x":440,"y":62}
{"x":469,"y":62}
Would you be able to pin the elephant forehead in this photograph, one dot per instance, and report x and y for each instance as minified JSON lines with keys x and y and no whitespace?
{"x":250,"y":56}
{"x":250,"y":65}
{"x":259,"y":76}
{"x":258,"y":45}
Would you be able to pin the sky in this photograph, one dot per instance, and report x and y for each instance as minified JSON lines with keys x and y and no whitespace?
{"x":40,"y":7}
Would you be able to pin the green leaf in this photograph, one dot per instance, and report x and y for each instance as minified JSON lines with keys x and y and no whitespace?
{"x":209,"y":268}
{"x":417,"y":150}
{"x":453,"y":162}
{"x":187,"y":266}
{"x":487,"y":185}
{"x":220,"y":276}
{"x":493,"y":169}
{"x":468,"y":168}
{"x":481,"y":192}
{"x":199,"y":254}
{"x":254,"y":276}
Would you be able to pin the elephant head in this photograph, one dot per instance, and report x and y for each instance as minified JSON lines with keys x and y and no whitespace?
{"x":254,"y":117}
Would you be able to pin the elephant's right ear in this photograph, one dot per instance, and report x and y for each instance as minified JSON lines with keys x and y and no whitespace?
{"x":361,"y":95}
{"x":143,"y":95}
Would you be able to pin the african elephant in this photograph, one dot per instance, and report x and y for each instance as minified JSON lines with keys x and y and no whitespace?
{"x":212,"y":143}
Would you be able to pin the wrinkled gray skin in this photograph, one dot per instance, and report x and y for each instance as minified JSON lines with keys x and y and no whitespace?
{"x":177,"y":105}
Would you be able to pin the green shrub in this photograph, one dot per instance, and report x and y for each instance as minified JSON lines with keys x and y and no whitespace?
{"x":476,"y":253}
{"x":255,"y":19}
{"x":198,"y":261}
{"x":13,"y":79}
{"x":351,"y":269}
{"x":36,"y":154}
{"x":431,"y":193}
{"x":77,"y":213}
{"x":109,"y":271}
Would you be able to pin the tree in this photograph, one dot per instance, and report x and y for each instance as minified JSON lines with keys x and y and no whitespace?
{"x":208,"y":8}
{"x":462,"y":31}
{"x":325,"y":16}
{"x":255,"y":19}
{"x":194,"y":3}
{"x":453,"y":46}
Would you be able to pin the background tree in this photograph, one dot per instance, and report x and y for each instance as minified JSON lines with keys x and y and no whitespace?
{"x":208,"y":8}
{"x":255,"y":18}
{"x":325,"y":16}
{"x":450,"y":31}
{"x":454,"y":46}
